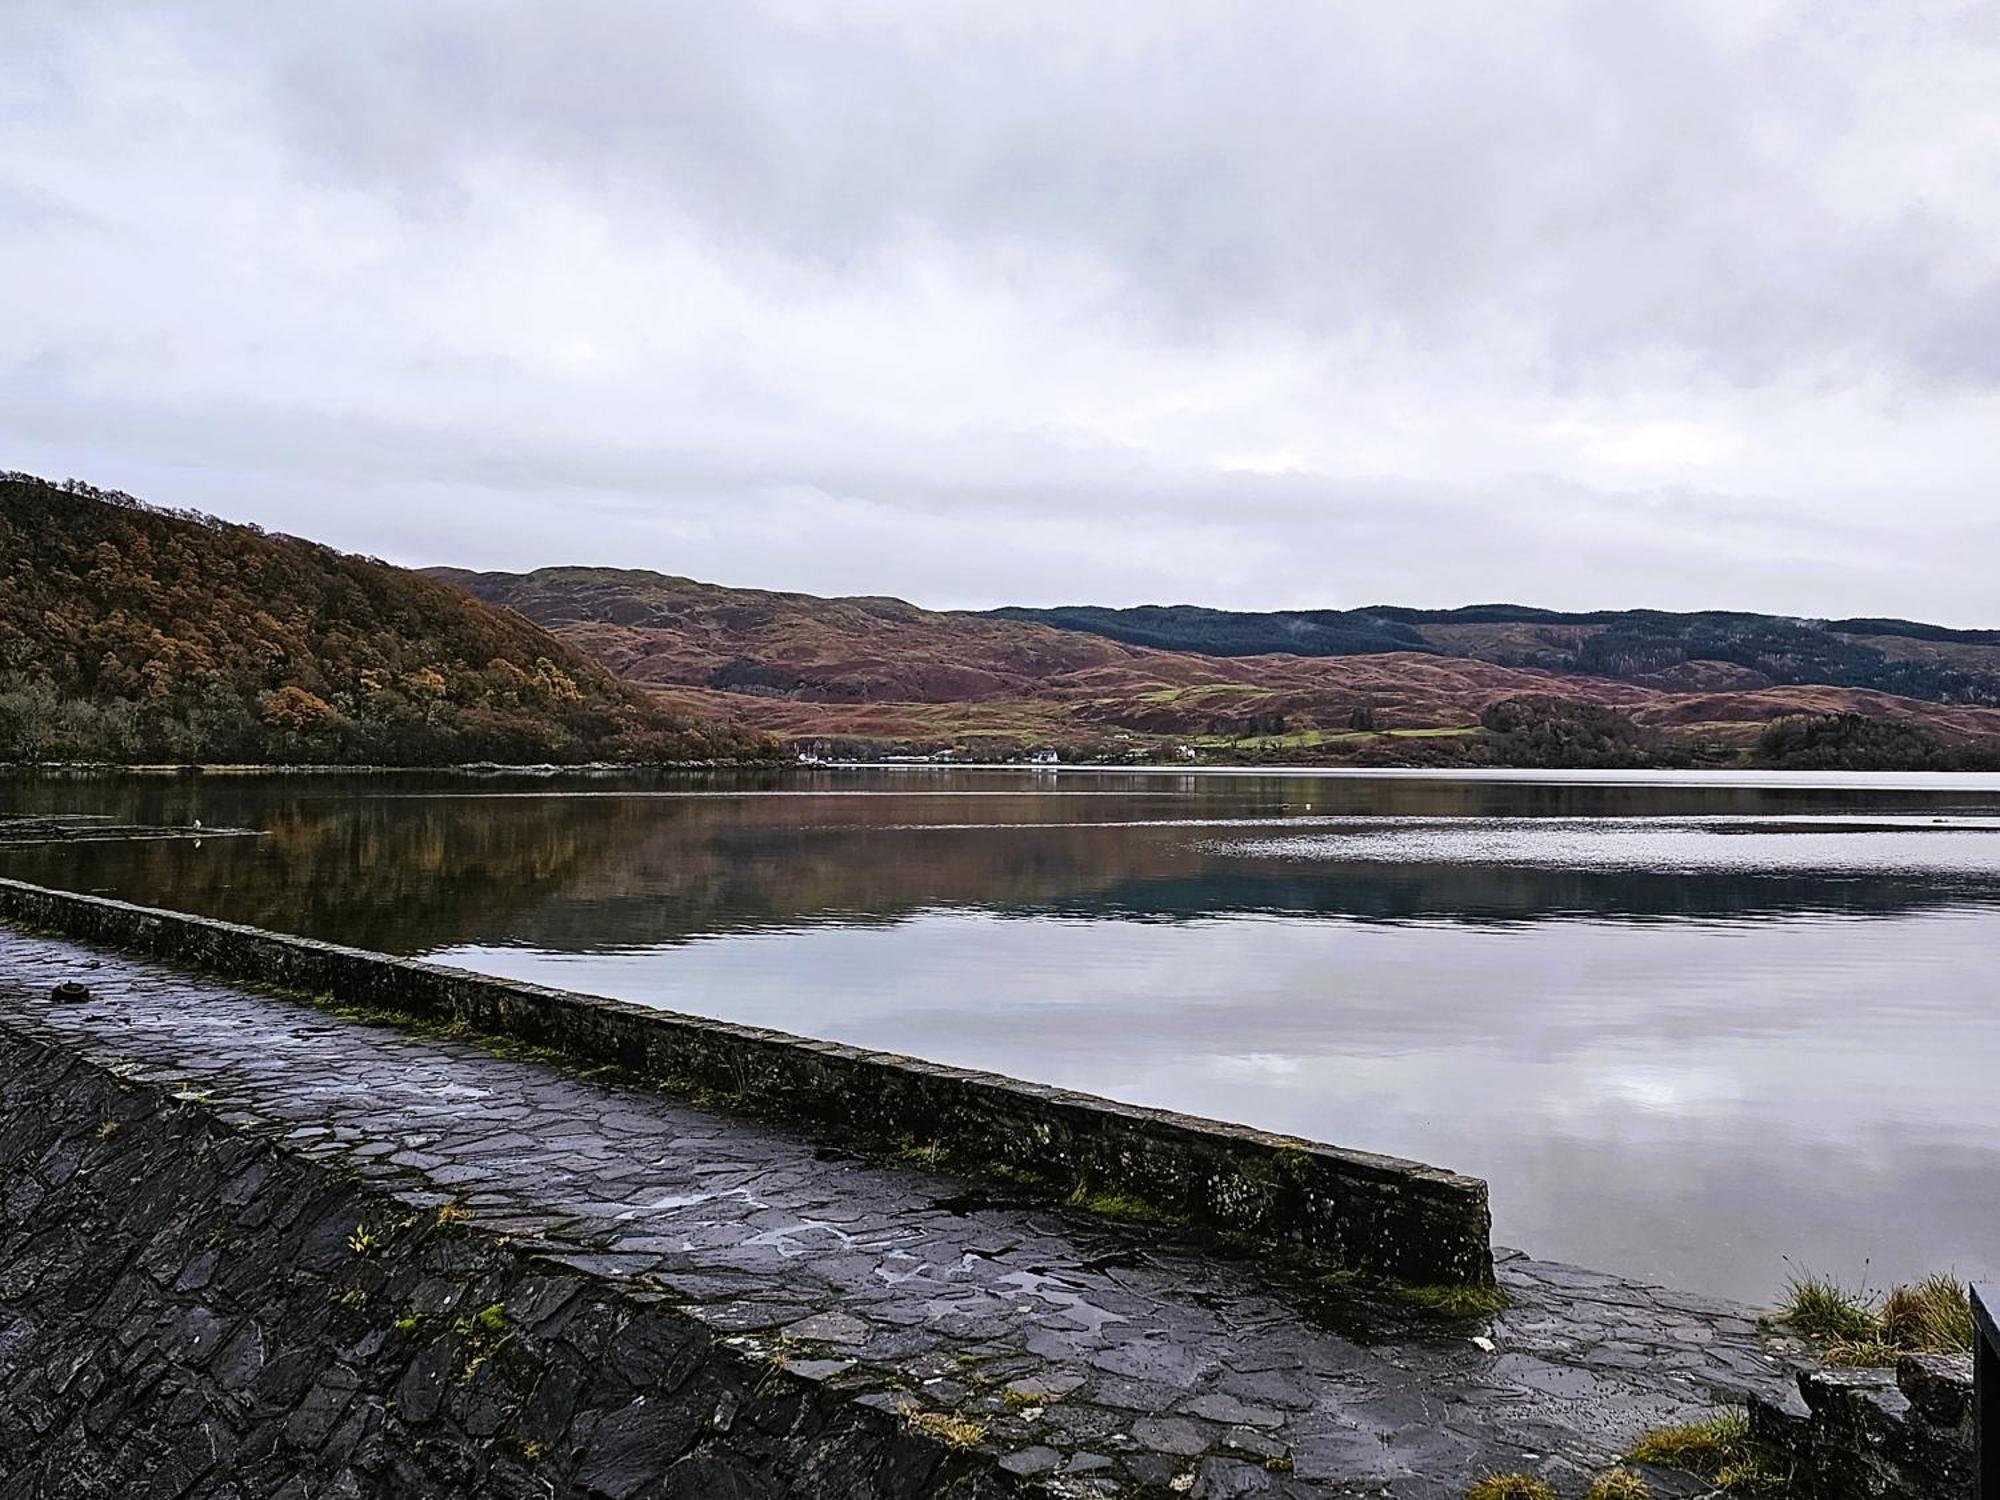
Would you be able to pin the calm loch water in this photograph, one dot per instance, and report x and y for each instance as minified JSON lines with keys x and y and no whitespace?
{"x":1690,"y":1028}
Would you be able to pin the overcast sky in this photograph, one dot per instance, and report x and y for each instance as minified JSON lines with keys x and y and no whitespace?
{"x":1255,"y":305}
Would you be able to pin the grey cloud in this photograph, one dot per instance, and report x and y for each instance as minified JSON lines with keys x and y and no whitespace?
{"x":1589,"y":180}
{"x":1569,"y":301}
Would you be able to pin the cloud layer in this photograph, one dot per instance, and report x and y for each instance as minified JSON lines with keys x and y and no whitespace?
{"x":1584,"y":304}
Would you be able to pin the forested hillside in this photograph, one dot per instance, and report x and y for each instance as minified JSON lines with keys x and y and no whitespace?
{"x":1713,"y":648}
{"x":129,"y":633}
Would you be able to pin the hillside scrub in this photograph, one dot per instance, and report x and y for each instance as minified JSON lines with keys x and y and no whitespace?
{"x":1855,"y":742}
{"x":1545,"y":731}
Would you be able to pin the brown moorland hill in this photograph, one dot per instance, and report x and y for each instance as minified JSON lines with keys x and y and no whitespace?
{"x":884,"y":672}
{"x":657,"y":629}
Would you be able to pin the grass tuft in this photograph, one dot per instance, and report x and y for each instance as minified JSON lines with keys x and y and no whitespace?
{"x":1827,"y":1313}
{"x":1618,"y":1484}
{"x":1863,"y":1354}
{"x":1457,"y":1301}
{"x":952,"y":1431}
{"x":1719,"y":1450}
{"x":1510,"y":1487}
{"x":1704,"y":1448}
{"x":1931,"y":1316}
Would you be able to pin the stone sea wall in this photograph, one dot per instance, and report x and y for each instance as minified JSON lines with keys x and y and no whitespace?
{"x":189,"y":1309}
{"x":1350,"y":1210}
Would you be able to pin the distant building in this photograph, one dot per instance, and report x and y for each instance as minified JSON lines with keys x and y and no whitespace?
{"x":1043,"y":757}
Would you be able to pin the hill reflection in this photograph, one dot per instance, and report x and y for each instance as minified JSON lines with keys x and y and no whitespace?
{"x":410,"y":868}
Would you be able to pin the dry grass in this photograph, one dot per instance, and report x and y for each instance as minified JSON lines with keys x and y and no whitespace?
{"x":1931,"y":1316}
{"x":1863,"y":1354}
{"x":952,"y":1431}
{"x":1719,"y":1450}
{"x":1619,"y":1484}
{"x":1510,"y":1487}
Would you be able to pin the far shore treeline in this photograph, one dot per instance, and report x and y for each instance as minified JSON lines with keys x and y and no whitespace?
{"x":131,"y":634}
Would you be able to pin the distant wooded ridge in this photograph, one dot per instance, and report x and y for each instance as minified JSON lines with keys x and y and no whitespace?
{"x":1629,"y":644}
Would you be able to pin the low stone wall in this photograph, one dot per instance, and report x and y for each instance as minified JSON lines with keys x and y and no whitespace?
{"x":187,"y":1309}
{"x":1350,"y":1210}
{"x":1901,"y":1434}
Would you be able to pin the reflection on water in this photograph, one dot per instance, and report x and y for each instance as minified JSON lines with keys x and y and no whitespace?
{"x":1685,"y":1027}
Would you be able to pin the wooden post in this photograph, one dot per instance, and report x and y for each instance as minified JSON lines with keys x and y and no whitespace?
{"x":1986,"y":1388}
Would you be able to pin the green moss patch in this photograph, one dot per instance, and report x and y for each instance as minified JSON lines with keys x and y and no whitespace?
{"x":1125,"y":1206}
{"x":1457,"y":1301}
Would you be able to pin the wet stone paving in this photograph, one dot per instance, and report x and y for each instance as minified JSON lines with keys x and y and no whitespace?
{"x":1099,"y":1357}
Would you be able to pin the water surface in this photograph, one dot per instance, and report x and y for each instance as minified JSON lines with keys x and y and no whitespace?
{"x":1687,"y":1027}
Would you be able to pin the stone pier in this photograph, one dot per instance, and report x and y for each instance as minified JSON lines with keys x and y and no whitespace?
{"x":252,"y":1247}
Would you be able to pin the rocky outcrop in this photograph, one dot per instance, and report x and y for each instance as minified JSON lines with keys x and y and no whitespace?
{"x":1901,"y":1434}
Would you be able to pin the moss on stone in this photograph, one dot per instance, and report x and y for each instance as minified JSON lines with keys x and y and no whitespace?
{"x":484,"y":1333}
{"x":1457,"y":1301}
{"x":1127,"y":1206}
{"x":1294,"y":1164}
{"x":929,"y":1154}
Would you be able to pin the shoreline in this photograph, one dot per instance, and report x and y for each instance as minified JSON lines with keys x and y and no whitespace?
{"x":1570,"y":775}
{"x":1737,"y":776}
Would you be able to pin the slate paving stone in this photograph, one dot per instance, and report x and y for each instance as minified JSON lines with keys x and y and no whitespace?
{"x":1094,"y":1358}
